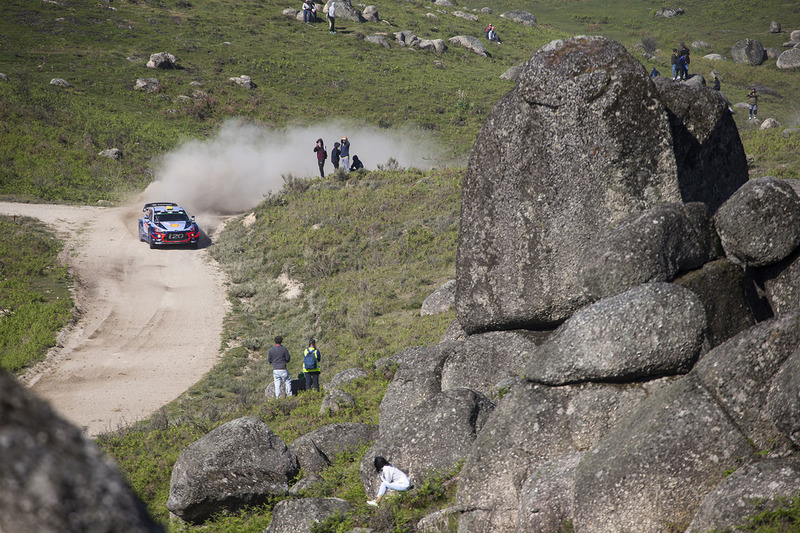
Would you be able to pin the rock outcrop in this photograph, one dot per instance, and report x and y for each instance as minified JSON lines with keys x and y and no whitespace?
{"x":749,"y":52}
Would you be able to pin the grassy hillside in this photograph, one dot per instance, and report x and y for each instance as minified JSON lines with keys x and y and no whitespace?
{"x":368,"y":249}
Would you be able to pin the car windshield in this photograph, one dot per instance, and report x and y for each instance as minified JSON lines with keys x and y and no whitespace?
{"x":172,"y":217}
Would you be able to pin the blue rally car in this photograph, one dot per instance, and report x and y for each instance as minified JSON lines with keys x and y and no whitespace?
{"x":166,"y":223}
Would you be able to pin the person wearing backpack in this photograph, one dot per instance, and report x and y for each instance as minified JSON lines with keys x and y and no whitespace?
{"x":311,"y":359}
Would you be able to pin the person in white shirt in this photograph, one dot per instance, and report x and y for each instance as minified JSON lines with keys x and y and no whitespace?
{"x":391,"y":479}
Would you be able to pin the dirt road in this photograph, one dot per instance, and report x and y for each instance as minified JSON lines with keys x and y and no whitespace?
{"x":150,"y":320}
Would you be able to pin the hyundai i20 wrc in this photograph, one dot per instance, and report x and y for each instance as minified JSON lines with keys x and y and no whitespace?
{"x":167,"y":224}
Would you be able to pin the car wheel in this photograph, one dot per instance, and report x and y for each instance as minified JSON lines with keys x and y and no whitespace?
{"x":151,"y":244}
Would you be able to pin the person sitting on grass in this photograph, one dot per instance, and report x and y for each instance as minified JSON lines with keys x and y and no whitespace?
{"x":391,"y":479}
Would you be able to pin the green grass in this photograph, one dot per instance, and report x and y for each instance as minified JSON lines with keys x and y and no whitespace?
{"x":35,"y":303}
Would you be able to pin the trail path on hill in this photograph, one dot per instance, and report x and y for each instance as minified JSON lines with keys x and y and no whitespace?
{"x":150,"y":320}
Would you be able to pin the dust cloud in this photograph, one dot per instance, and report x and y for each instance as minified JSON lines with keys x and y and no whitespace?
{"x":233,"y":171}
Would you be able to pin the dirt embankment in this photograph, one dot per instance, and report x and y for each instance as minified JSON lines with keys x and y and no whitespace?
{"x":150,"y":320}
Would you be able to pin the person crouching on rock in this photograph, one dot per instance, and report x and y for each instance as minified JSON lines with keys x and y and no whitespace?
{"x":391,"y":479}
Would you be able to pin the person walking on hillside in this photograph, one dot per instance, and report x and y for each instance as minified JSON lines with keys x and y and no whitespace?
{"x":344,"y":154}
{"x":752,"y":105}
{"x":278,"y":357}
{"x":335,"y":153}
{"x":311,"y":360}
{"x":391,"y":479}
{"x":332,"y":17}
{"x":322,"y":155}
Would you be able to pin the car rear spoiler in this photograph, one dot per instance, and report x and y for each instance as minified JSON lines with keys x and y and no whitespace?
{"x":151,"y":204}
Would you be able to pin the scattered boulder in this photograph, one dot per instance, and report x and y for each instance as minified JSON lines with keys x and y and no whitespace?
{"x":300,"y":516}
{"x":443,"y":3}
{"x":289,"y":12}
{"x":769,"y":124}
{"x":53,"y":478}
{"x":760,"y":223}
{"x":378,"y":39}
{"x":749,"y":52}
{"x":406,"y":38}
{"x":243,"y":81}
{"x":345,"y":11}
{"x":440,"y":300}
{"x":653,"y":245}
{"x":694,"y":81}
{"x":149,"y":85}
{"x":60,"y":82}
{"x":790,"y":59}
{"x":773,"y":53}
{"x":239,"y":463}
{"x":470,"y":43}
{"x":751,"y":490}
{"x":523,"y":17}
{"x":111,"y":153}
{"x":432,"y":16}
{"x":336,"y":400}
{"x":3,"y":77}
{"x":520,"y":268}
{"x":714,"y":57}
{"x":652,"y":330}
{"x":316,"y":450}
{"x":774,"y":27}
{"x":438,"y":46}
{"x":512,"y":73}
{"x":346,"y":376}
{"x":669,"y":12}
{"x":162,"y":60}
{"x":795,"y":36}
{"x":370,"y":14}
{"x":486,"y":10}
{"x":438,"y":521}
{"x":701,"y":45}
{"x":465,"y":16}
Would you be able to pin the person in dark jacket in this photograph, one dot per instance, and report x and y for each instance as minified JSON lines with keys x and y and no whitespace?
{"x":322,"y":155}
{"x":716,"y":83}
{"x":335,"y":155}
{"x":344,"y":153}
{"x":357,"y":164}
{"x":278,"y":357}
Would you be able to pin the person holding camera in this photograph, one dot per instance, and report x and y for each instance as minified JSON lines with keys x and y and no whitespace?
{"x":344,"y":154}
{"x":752,"y":105}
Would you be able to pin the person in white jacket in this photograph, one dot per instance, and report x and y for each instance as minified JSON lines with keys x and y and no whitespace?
{"x":391,"y":479}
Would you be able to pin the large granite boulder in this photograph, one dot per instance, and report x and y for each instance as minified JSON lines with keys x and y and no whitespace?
{"x":653,"y":245}
{"x":721,"y":286}
{"x":316,"y":450}
{"x":656,"y":465}
{"x":754,"y":488}
{"x":783,"y":399}
{"x":345,"y":377}
{"x":760,"y":223}
{"x":433,"y":437}
{"x":711,"y":161}
{"x":780,"y":283}
{"x":440,"y":300}
{"x":300,"y":516}
{"x":582,"y":142}
{"x":749,"y":52}
{"x":53,"y":478}
{"x":344,"y":11}
{"x":473,"y":44}
{"x":239,"y":463}
{"x":162,"y":60}
{"x":546,"y":497}
{"x":532,"y":425}
{"x":651,"y":330}
{"x":789,"y":59}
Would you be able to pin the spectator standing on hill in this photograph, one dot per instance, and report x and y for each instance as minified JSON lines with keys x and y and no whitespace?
{"x":322,"y":155}
{"x":391,"y":479}
{"x":278,"y":357}
{"x":311,"y":359}
{"x":674,"y":60}
{"x":357,"y":164}
{"x":752,"y":105}
{"x":313,"y":10}
{"x":335,"y":153}
{"x":344,"y":153}
{"x":332,"y":17}
{"x":685,"y":60}
{"x":307,"y":11}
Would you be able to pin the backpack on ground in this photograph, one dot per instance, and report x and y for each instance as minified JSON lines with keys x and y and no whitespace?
{"x":310,"y":360}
